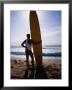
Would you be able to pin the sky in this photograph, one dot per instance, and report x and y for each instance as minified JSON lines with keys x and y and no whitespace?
{"x":50,"y":26}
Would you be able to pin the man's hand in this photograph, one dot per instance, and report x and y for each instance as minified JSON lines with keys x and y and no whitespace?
{"x":23,"y":43}
{"x":40,"y":41}
{"x":37,"y":42}
{"x":23,"y":46}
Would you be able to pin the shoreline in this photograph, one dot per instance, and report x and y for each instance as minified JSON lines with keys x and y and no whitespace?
{"x":44,"y":58}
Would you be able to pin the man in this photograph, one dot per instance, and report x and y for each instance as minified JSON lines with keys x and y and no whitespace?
{"x":27,"y":44}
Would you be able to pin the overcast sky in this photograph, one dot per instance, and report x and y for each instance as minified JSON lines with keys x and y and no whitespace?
{"x":50,"y":26}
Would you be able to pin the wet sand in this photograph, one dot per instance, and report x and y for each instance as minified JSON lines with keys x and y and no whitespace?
{"x":51,"y":69}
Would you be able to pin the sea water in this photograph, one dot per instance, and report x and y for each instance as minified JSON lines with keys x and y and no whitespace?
{"x":52,"y":52}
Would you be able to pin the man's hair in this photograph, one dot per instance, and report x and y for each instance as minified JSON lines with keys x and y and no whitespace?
{"x":28,"y":35}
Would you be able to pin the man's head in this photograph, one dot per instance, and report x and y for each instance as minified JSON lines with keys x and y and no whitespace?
{"x":28,"y":36}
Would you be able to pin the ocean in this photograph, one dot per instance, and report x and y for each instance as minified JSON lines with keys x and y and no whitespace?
{"x":52,"y":52}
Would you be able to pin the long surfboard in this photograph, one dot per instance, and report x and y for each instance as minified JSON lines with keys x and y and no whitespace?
{"x":36,"y":37}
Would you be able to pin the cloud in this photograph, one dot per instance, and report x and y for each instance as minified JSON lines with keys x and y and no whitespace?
{"x":51,"y":37}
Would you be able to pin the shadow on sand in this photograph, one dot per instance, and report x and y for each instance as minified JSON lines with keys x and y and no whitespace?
{"x":35,"y":73}
{"x":40,"y":73}
{"x":29,"y":73}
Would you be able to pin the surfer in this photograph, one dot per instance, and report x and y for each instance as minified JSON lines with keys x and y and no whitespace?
{"x":28,"y":50}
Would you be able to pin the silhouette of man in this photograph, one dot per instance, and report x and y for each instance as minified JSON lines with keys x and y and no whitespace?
{"x":28,"y":50}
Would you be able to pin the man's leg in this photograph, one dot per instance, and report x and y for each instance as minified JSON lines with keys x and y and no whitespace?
{"x":27,"y":58}
{"x":32,"y":58}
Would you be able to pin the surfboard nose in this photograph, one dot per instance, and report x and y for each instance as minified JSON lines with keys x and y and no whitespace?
{"x":32,"y":11}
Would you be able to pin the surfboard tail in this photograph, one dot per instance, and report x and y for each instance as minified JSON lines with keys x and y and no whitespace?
{"x":38,"y":60}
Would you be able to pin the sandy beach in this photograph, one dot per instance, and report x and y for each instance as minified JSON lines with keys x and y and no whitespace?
{"x":51,"y":69}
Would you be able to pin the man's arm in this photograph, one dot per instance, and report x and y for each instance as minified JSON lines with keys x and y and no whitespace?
{"x":22,"y":44}
{"x":36,"y":42}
